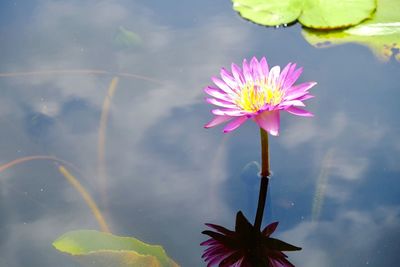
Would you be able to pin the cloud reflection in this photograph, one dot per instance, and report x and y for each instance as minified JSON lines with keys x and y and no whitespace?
{"x":352,"y":238}
{"x":167,"y":176}
{"x":156,"y":153}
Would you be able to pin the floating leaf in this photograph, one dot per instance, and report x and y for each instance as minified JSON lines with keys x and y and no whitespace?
{"x":381,"y":33}
{"x":93,"y":248}
{"x":319,"y":14}
{"x":269,"y":13}
{"x":117,"y":259}
{"x":328,"y":14}
{"x":387,"y":11}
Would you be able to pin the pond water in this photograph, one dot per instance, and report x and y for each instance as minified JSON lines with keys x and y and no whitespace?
{"x":138,"y":146}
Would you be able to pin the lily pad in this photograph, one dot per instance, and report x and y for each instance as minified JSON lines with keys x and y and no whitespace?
{"x":94,"y":248}
{"x":381,"y":33}
{"x":318,"y":14}
{"x":269,"y":13}
{"x":328,"y":14}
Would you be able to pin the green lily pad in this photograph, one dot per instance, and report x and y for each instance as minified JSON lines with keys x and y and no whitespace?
{"x":94,"y":248}
{"x":318,"y":14}
{"x":117,"y":259}
{"x":381,"y":33}
{"x":269,"y":13}
{"x":328,"y":14}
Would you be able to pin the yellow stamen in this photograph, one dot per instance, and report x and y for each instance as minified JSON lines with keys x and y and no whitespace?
{"x":254,"y":96}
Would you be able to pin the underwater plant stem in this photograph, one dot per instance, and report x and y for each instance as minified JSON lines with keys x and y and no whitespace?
{"x":87,"y":197}
{"x":35,"y":157}
{"x":79,"y":72}
{"x":70,"y":178}
{"x":101,"y":147}
{"x":265,"y":172}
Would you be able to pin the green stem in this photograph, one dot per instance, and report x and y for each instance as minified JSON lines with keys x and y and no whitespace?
{"x":265,"y":172}
{"x":264,"y":153}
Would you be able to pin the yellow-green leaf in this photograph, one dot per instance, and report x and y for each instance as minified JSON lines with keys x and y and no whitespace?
{"x":328,"y":14}
{"x":381,"y":33}
{"x":268,"y":13}
{"x":318,"y":14}
{"x":94,"y":248}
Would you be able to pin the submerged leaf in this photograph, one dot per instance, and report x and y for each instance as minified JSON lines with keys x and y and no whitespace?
{"x":94,"y":248}
{"x":126,"y":38}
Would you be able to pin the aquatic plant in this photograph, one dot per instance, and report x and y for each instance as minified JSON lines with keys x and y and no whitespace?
{"x":99,"y":249}
{"x":381,"y":33}
{"x":258,"y":93}
{"x":314,"y":14}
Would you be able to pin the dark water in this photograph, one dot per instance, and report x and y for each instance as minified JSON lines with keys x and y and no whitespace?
{"x":336,"y":182}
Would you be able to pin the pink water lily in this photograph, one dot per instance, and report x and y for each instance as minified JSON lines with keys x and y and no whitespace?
{"x":258,"y":93}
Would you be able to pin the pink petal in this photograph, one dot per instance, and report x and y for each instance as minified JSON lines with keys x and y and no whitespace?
{"x":222,"y":85}
{"x":217,"y":93}
{"x":246,"y":72}
{"x":292,"y":78}
{"x":254,"y":65}
{"x":263,"y":67}
{"x":305,"y":97}
{"x":221,"y":103}
{"x":292,"y":103}
{"x":269,"y":121}
{"x":208,"y":242}
{"x":217,"y":120}
{"x":228,"y":79}
{"x":273,"y":77}
{"x":237,"y":74}
{"x":299,"y":112}
{"x":228,"y":112}
{"x":295,"y":95}
{"x":284,"y":73}
{"x":234,"y":124}
{"x":303,"y":86}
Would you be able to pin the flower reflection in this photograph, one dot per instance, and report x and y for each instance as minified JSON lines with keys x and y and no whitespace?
{"x":246,"y":246}
{"x":258,"y":93}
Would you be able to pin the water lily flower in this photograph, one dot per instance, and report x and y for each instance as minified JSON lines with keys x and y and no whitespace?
{"x":258,"y":93}
{"x":246,"y":246}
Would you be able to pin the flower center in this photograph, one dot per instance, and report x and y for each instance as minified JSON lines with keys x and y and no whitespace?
{"x":254,"y":96}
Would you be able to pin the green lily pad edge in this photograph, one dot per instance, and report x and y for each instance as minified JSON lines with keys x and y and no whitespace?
{"x":381,"y":34}
{"x":104,"y":249}
{"x":315,"y":14}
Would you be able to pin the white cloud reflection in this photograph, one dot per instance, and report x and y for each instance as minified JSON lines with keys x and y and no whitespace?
{"x":351,"y":238}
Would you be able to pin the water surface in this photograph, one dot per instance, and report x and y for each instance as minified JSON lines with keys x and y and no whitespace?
{"x":158,"y":175}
